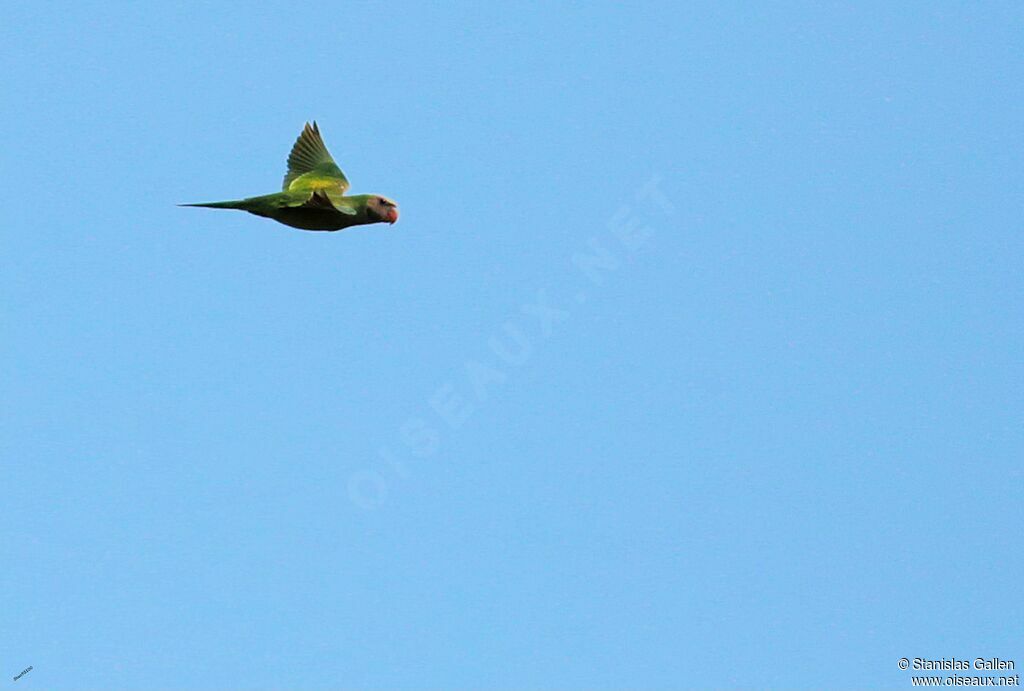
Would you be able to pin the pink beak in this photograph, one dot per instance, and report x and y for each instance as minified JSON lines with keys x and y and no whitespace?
{"x":392,"y":215}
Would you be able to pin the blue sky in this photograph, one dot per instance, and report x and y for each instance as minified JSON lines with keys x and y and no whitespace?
{"x":694,"y":360}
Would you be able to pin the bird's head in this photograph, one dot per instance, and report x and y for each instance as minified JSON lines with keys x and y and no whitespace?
{"x":385,"y":209}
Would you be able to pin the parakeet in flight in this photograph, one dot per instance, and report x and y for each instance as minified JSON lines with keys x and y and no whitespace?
{"x":314,"y":193}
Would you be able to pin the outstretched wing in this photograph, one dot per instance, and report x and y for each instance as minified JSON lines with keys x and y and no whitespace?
{"x":310,"y":165}
{"x":329,"y":200}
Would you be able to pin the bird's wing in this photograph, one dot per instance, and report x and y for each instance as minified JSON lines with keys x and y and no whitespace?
{"x":310,"y":165}
{"x":329,"y":200}
{"x":324,"y":200}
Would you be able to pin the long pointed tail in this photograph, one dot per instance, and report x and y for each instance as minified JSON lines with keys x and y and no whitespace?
{"x":220,"y":205}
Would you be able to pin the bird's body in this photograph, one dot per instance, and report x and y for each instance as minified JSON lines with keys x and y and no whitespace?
{"x":314,"y":197}
{"x":305,"y":210}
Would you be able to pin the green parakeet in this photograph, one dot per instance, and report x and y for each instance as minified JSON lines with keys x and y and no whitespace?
{"x":314,"y":193}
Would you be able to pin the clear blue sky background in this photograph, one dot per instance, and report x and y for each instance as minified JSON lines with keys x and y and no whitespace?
{"x":763,"y":430}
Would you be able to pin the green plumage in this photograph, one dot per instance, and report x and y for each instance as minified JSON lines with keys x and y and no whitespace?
{"x":313,"y":196}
